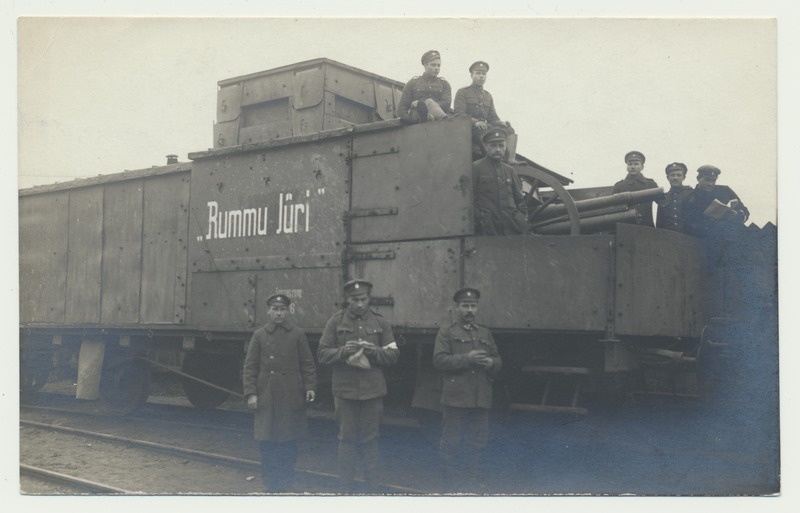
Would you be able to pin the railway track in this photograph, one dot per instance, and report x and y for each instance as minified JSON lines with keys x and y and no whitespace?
{"x":247,"y":469}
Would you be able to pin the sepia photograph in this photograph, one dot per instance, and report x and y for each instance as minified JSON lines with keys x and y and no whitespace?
{"x":528,"y":254}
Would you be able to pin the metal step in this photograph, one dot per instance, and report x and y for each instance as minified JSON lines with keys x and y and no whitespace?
{"x":574,"y":375}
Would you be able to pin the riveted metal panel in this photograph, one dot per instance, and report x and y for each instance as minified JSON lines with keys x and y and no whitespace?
{"x":43,"y":239}
{"x":226,"y":134}
{"x":424,"y":170}
{"x":308,"y":86}
{"x":661,"y":284}
{"x":261,"y":208}
{"x":223,"y":300}
{"x":85,"y":254}
{"x":266,"y":88}
{"x":350,"y":85}
{"x":315,"y":294}
{"x":258,"y":133}
{"x":540,"y":283}
{"x":122,"y":252}
{"x":229,"y":102}
{"x":384,"y":100}
{"x":419,"y":276}
{"x":308,"y":120}
{"x":164,"y":249}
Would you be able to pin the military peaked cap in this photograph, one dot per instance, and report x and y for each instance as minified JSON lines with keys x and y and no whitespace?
{"x":708,"y":170}
{"x":478,"y":65}
{"x":675,"y":166}
{"x":495,"y":134}
{"x":466,"y":294}
{"x":279,"y":298}
{"x":634,"y":155}
{"x":429,"y":56}
{"x":357,"y":286}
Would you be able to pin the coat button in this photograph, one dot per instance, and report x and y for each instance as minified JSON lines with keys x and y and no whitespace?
{"x":271,"y":357}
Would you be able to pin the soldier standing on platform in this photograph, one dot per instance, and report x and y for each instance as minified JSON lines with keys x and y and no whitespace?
{"x":477,"y":103}
{"x":636,"y":181}
{"x":279,"y":378}
{"x":499,"y":201}
{"x":670,"y":209}
{"x":466,"y":354}
{"x":426,"y":98}
{"x":357,"y":343}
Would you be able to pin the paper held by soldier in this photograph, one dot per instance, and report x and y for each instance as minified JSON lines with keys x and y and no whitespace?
{"x":718,"y":209}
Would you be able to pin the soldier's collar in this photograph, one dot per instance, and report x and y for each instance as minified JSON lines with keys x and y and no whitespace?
{"x":270,"y":326}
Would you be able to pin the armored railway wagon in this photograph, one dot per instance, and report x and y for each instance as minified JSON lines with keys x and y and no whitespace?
{"x":312,"y":181}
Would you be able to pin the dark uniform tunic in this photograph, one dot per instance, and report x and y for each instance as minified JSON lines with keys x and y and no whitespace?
{"x":422,"y":88}
{"x":476,"y":102}
{"x":279,"y":369}
{"x":701,"y":225}
{"x":498,"y":198}
{"x":670,"y":210}
{"x":638,"y":183}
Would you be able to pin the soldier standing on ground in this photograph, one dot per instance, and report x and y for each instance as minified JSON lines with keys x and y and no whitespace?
{"x":499,"y":200}
{"x":428,"y":97}
{"x":279,"y":378}
{"x":357,"y":343}
{"x":477,"y":103}
{"x":670,"y":209}
{"x":636,"y":181}
{"x":466,"y":354}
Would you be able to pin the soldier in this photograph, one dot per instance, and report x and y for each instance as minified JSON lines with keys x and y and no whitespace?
{"x":426,"y":98}
{"x":466,"y":355}
{"x":670,"y":209}
{"x":279,"y":379}
{"x":714,"y":213}
{"x":477,"y":103}
{"x":636,"y":181}
{"x":499,"y":201}
{"x":357,"y":343}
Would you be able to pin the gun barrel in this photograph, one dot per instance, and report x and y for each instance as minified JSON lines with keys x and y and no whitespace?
{"x":589,"y":224}
{"x":620,"y":198}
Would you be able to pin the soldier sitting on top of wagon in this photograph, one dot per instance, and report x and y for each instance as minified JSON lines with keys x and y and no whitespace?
{"x":426,"y":98}
{"x":499,"y":200}
{"x":477,"y":103}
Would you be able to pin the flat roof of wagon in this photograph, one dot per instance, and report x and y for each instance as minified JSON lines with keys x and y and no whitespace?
{"x":307,"y":64}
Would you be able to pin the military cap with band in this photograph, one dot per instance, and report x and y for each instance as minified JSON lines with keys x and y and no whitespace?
{"x":675,"y":166}
{"x":495,"y":134}
{"x":357,"y":286}
{"x":478,"y":65}
{"x":708,"y":170}
{"x":429,"y":56}
{"x":634,"y":155}
{"x":279,"y":298}
{"x":466,"y":294}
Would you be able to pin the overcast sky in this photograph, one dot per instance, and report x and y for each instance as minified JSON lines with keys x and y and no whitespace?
{"x":98,"y":96}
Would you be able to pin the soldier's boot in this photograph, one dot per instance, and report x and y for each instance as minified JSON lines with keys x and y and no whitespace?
{"x":511,"y":150}
{"x":371,"y":458}
{"x":347,"y":467}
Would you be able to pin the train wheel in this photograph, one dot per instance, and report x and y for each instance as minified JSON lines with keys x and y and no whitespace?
{"x":220,"y":370}
{"x":532,"y":179}
{"x":125,"y":386}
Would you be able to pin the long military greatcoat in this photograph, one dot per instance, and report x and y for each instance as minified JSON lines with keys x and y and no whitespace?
{"x":279,"y":369}
{"x":638,"y":183}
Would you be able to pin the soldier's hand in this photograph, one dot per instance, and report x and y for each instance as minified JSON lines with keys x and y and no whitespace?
{"x":310,"y":396}
{"x":350,"y":348}
{"x":369,"y":348}
{"x":482,"y":125}
{"x":252,"y":402}
{"x":476,"y":356}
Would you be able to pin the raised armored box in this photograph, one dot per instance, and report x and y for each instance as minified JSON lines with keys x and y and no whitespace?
{"x":302,"y":98}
